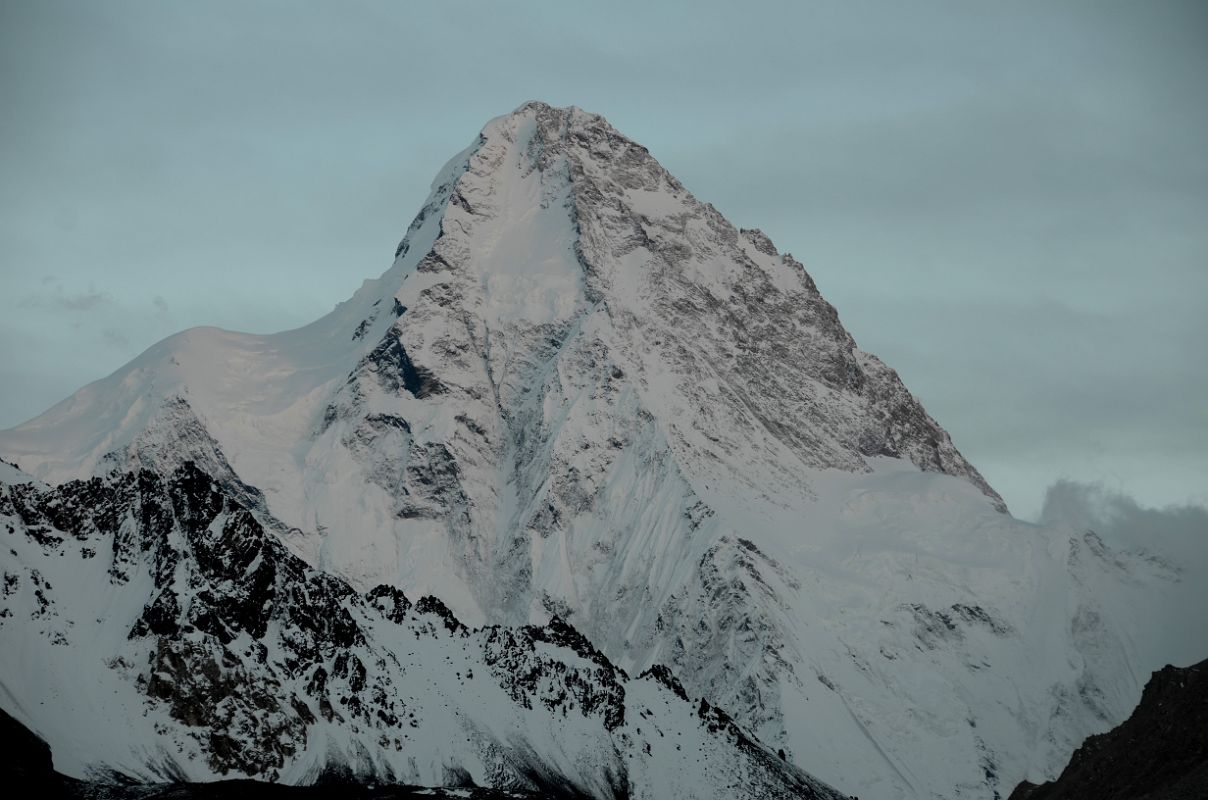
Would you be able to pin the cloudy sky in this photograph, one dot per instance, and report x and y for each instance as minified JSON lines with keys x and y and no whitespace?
{"x":1008,"y":203}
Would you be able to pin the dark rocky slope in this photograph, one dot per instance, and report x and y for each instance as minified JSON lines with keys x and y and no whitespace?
{"x":1159,"y":753}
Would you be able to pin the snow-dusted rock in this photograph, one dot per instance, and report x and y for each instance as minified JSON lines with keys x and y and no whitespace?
{"x":152,"y":626}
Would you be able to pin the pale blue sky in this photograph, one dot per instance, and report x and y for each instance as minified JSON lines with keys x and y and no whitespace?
{"x":1007,"y":202}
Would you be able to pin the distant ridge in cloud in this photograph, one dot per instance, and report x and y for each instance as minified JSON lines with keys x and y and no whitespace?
{"x":1122,"y":521}
{"x":1177,"y":535}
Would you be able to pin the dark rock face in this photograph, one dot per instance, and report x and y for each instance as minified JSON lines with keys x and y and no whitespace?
{"x":1159,"y":753}
{"x":664,"y":676}
{"x":25,"y":762}
{"x":219,"y":581}
{"x":527,"y":674}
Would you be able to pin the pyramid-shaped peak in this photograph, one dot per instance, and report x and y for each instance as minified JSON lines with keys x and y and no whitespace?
{"x":552,"y":246}
{"x":559,"y":232}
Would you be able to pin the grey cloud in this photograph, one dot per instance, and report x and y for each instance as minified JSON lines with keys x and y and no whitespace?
{"x":1120,"y":520}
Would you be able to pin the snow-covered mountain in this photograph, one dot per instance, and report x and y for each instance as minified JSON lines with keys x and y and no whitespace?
{"x":579,"y":393}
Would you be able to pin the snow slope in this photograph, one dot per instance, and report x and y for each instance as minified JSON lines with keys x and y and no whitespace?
{"x":580,"y":392}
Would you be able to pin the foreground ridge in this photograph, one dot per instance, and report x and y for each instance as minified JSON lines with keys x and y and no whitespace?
{"x":238,"y":659}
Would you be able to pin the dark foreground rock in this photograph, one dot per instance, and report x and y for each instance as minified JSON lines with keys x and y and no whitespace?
{"x":1159,"y":753}
{"x":25,"y":763}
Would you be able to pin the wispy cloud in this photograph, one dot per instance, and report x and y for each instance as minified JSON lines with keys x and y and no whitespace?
{"x":58,"y":297}
{"x":115,"y":338}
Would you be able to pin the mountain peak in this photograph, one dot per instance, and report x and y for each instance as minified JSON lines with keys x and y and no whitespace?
{"x":552,"y":243}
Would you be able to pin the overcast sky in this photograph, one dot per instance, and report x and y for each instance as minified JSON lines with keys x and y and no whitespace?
{"x":1006,"y":202}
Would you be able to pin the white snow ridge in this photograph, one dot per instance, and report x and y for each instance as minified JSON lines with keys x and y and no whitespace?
{"x":687,"y":522}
